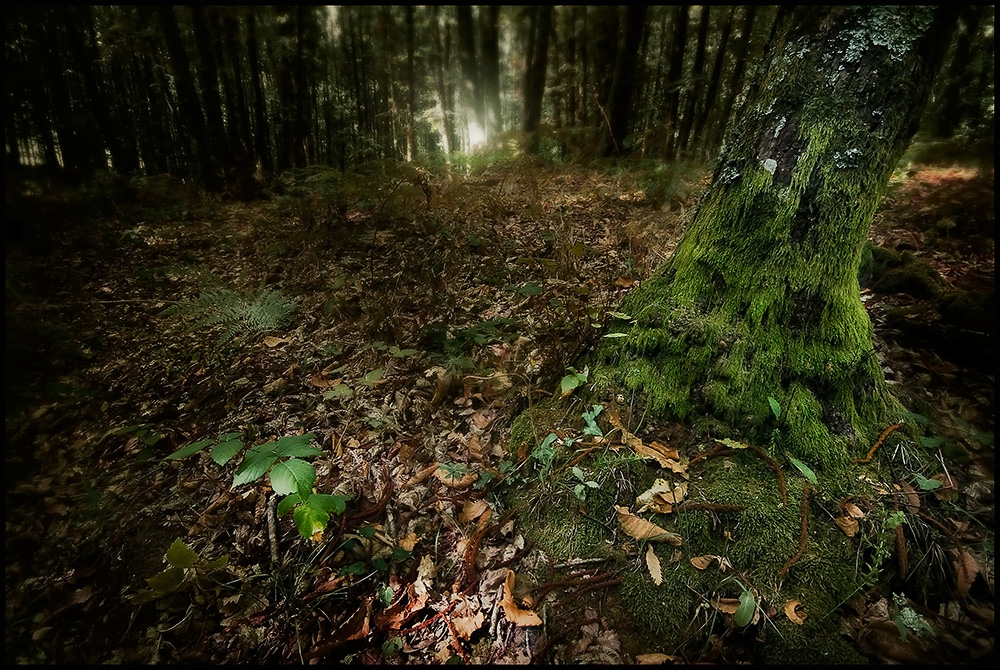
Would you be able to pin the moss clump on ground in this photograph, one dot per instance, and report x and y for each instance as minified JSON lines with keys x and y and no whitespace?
{"x":760,"y":541}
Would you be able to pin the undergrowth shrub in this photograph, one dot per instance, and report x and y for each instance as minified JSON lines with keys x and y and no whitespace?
{"x":241,"y":316}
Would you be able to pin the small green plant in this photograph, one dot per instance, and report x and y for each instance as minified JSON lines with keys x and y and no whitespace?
{"x":580,"y":489}
{"x":589,"y":417}
{"x":241,"y":316}
{"x":187,"y":570}
{"x":806,"y":471}
{"x":574,"y":379}
{"x":291,"y":476}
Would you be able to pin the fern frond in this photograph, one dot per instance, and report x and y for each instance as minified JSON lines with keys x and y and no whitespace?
{"x":241,"y":315}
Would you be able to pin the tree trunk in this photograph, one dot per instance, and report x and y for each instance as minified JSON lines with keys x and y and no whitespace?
{"x":695,"y":82}
{"x":622,"y":87}
{"x":534,"y":87}
{"x":472,"y":88}
{"x":187,"y":95}
{"x":741,"y":55}
{"x":489,"y":19}
{"x":261,"y":128}
{"x":761,"y":298}
{"x":714,"y":80}
{"x":678,"y":38}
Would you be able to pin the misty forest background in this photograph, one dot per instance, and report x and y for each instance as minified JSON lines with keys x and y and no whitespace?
{"x":232,"y":96}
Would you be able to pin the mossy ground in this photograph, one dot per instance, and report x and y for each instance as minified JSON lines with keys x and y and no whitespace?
{"x":757,"y":541}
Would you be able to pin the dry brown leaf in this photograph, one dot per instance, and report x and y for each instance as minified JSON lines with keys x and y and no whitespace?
{"x":422,"y":475}
{"x":319,"y":381}
{"x":272,"y":341}
{"x":854,"y":511}
{"x":948,"y":490}
{"x":912,"y":499}
{"x":515,"y":614}
{"x":966,"y":570}
{"x":445,"y":478}
{"x":653,"y":659}
{"x":641,"y":529}
{"x":661,"y":496}
{"x":726,"y":605}
{"x":702,"y":562}
{"x":653,"y":563}
{"x":792,"y":615}
{"x":468,"y":622}
{"x":408,"y":542}
{"x":472,"y":509}
{"x":848,"y":525}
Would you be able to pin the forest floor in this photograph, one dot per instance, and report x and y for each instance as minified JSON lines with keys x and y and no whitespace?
{"x":429,"y":309}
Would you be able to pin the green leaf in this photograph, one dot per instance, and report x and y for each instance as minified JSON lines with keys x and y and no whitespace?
{"x":166,"y":581}
{"x":570,"y":382}
{"x":296,"y":445}
{"x":224,"y":451}
{"x":367,"y":531}
{"x":926,"y":484}
{"x":310,"y":519}
{"x":401,"y":353}
{"x":288,"y":503}
{"x":400,"y":554}
{"x":530,"y":289}
{"x":775,"y":407}
{"x":192,"y":448}
{"x":253,"y":469}
{"x":372,"y":377}
{"x":620,"y":315}
{"x":393,"y":644}
{"x":592,"y":427}
{"x":341,"y":390}
{"x":616,"y":335}
{"x":334,"y":504}
{"x":804,"y":469}
{"x":386,"y":594}
{"x":747,"y":607}
{"x":293,"y":476}
{"x":353,"y":569}
{"x":179,"y":555}
{"x":931,"y":442}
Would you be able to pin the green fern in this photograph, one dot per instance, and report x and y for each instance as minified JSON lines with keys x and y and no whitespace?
{"x":241,"y":316}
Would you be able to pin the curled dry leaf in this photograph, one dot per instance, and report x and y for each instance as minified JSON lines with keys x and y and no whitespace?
{"x":848,"y":525}
{"x":794,"y":616}
{"x":726,"y":605}
{"x":661,"y":497}
{"x":515,"y":614}
{"x":445,"y":478}
{"x":702,"y":562}
{"x":653,"y":563}
{"x":641,"y":529}
{"x":854,"y":511}
{"x":472,"y":509}
{"x":653,"y":659}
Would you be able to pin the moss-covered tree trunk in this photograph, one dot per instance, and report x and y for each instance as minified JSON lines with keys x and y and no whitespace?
{"x":761,"y":298}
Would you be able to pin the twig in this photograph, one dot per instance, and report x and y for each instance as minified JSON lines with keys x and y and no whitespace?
{"x":803,"y":536}
{"x":878,"y":443}
{"x":272,"y":531}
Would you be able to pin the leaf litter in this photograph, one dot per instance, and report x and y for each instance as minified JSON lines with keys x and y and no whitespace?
{"x":409,"y":353}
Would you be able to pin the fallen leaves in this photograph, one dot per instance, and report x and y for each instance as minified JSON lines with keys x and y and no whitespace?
{"x":641,"y":529}
{"x":653,"y":564}
{"x":791,"y":611}
{"x":514,"y":614}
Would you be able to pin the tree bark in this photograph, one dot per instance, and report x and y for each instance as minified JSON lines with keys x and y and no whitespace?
{"x":622,"y":87}
{"x":678,"y":38}
{"x":761,"y":297}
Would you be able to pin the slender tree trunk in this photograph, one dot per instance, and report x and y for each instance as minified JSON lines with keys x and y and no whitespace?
{"x":489,"y":19}
{"x":261,"y":131}
{"x":411,"y":88}
{"x":736,"y":82}
{"x":208,"y":75}
{"x":710,"y":102}
{"x":696,"y":81}
{"x":535,"y":76}
{"x":191,"y":113}
{"x":445,"y":98}
{"x":622,"y":88}
{"x":472,"y":88}
{"x":678,"y":39}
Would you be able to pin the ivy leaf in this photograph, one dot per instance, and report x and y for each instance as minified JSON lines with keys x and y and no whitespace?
{"x":293,"y":476}
{"x":166,"y":581}
{"x":926,"y":484}
{"x":530,"y":289}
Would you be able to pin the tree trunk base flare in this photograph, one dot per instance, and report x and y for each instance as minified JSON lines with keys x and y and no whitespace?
{"x":755,"y":334}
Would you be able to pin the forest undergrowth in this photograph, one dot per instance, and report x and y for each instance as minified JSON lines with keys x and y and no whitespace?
{"x":183,"y":371}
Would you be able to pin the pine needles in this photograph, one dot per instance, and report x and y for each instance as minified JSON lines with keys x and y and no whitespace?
{"x":241,"y":316}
